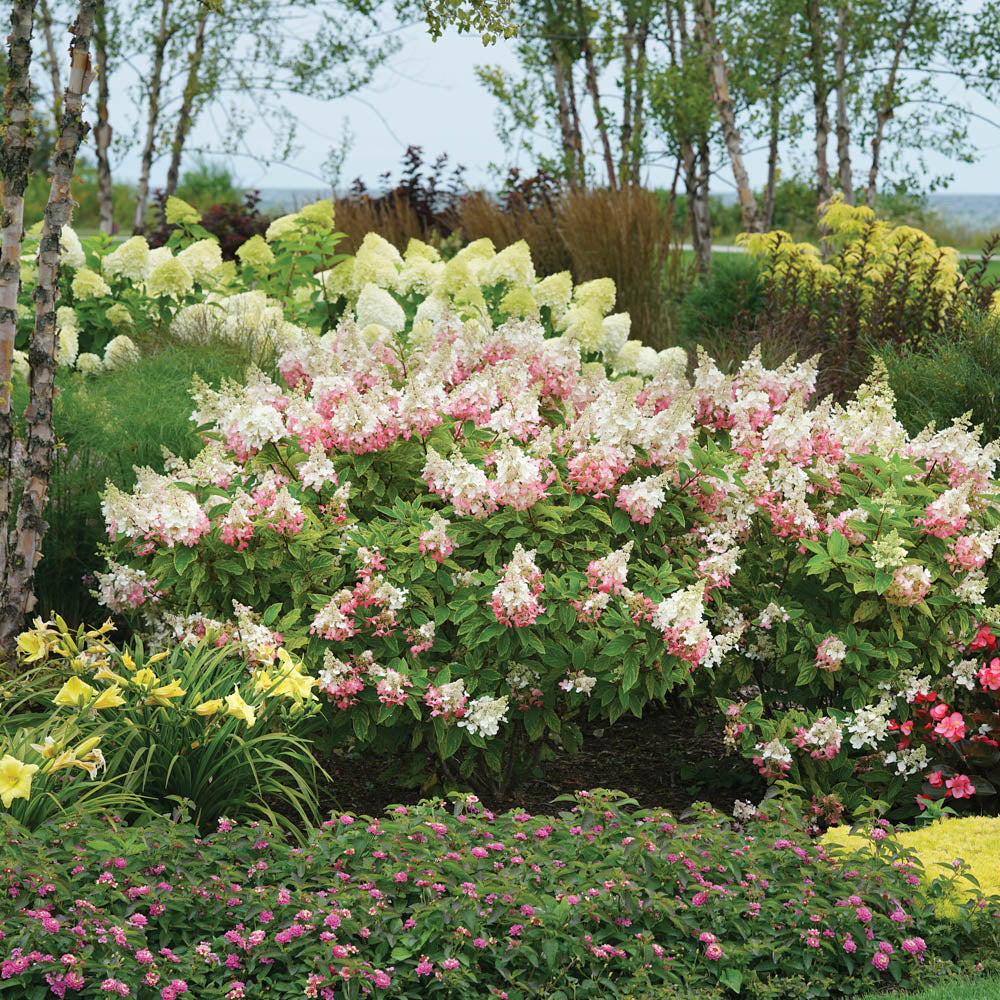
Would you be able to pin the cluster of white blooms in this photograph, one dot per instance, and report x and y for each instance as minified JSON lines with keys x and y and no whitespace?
{"x":869,"y":726}
{"x":912,"y":760}
{"x":317,"y":470}
{"x":484,"y":715}
{"x":246,"y":415}
{"x":67,"y":336}
{"x":964,"y":673}
{"x":123,"y":588}
{"x":775,"y":752}
{"x":159,"y":511}
{"x":120,"y":352}
{"x":972,"y":588}
{"x":515,"y":597}
{"x":376,"y":307}
{"x":680,"y":617}
{"x":130,"y":260}
{"x":743,"y":812}
{"x":888,"y":551}
{"x":771,"y":614}
{"x":578,"y":681}
{"x":521,"y":677}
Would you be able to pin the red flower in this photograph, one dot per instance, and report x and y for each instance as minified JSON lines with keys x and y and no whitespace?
{"x":960,"y":787}
{"x":989,"y":676}
{"x":984,"y":639}
{"x":951,"y":727}
{"x":935,"y":779}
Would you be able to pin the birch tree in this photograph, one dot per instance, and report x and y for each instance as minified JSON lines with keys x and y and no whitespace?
{"x":21,"y":549}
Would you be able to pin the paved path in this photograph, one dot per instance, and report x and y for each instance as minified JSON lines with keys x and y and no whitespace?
{"x":729,"y":248}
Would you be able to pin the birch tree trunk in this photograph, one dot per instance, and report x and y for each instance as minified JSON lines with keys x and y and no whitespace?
{"x":18,"y":583}
{"x":50,"y":48}
{"x":772,"y":155}
{"x":719,"y":74}
{"x":102,"y":130}
{"x":821,"y":97}
{"x":152,"y":119}
{"x":887,"y":106}
{"x":184,"y":118}
{"x":595,"y":96}
{"x":16,"y":146}
{"x":844,"y":174}
{"x":571,"y":162}
{"x":696,"y":175}
{"x":638,"y":119}
{"x":574,"y":115}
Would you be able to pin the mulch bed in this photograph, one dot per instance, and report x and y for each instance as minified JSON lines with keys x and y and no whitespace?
{"x":660,"y":760}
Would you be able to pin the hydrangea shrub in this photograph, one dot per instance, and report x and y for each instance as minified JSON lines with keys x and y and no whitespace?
{"x":471,"y":531}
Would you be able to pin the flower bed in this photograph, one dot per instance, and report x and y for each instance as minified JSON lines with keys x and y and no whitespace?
{"x":459,"y":903}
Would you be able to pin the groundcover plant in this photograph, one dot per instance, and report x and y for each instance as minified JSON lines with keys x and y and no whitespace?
{"x":454,"y":901}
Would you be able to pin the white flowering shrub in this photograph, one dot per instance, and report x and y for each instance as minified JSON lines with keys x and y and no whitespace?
{"x":293,"y":285}
{"x":471,"y":533}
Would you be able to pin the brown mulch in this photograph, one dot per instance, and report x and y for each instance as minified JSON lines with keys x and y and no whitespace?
{"x":659,"y":760}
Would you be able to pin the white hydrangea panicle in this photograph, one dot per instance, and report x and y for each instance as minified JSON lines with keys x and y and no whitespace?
{"x":88,"y":284}
{"x":484,"y":715}
{"x":554,"y":292}
{"x":512,"y":265}
{"x":131,"y":260}
{"x":614,"y":333}
{"x":169,"y":277}
{"x":203,"y":259}
{"x":67,"y":336}
{"x":376,"y":307}
{"x":377,"y":262}
{"x":89,"y":364}
{"x":71,"y":253}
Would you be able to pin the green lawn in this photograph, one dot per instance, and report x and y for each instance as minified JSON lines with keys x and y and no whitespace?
{"x":954,"y":989}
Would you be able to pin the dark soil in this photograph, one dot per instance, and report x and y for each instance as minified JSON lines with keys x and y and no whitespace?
{"x":660,"y":760}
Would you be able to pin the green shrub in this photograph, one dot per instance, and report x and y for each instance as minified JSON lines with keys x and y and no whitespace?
{"x":597,"y":902}
{"x":727,"y":301}
{"x":949,"y":376}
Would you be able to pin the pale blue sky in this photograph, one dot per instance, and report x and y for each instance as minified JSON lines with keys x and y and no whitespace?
{"x":429,"y":96}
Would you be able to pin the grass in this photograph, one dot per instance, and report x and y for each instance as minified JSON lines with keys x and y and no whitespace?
{"x":954,"y":989}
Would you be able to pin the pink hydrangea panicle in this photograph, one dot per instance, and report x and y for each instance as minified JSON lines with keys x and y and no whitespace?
{"x":435,"y":541}
{"x":515,"y":598}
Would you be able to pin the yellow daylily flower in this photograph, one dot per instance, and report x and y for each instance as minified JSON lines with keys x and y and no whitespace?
{"x":32,"y":647}
{"x":209,"y":707}
{"x":127,"y":662}
{"x":239,"y":709}
{"x":92,"y":762}
{"x":74,"y":693}
{"x":110,"y":697}
{"x":156,"y":657}
{"x":66,"y":759}
{"x":15,"y":779}
{"x":48,"y":749}
{"x":171,"y":690}
{"x":105,"y":673}
{"x":143,"y":678}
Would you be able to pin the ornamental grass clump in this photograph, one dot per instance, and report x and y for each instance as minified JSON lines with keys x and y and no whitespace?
{"x":457,"y":902}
